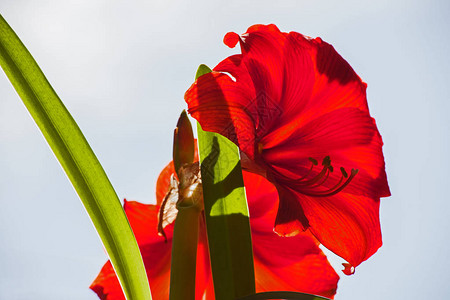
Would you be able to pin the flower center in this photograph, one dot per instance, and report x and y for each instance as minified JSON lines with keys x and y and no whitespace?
{"x":313,"y":185}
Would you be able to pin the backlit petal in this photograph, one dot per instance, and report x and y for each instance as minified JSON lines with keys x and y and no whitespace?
{"x":346,"y":224}
{"x":350,"y":137}
{"x":292,"y":264}
{"x":284,"y":263}
{"x":290,"y":219}
{"x":262,"y":199}
{"x":221,"y":105}
{"x":106,"y":285}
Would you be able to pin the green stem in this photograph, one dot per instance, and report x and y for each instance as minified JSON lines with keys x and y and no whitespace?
{"x":282,"y":295}
{"x":184,"y":253}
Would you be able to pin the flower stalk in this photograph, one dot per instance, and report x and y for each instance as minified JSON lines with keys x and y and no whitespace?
{"x":184,"y":253}
{"x":189,"y":206}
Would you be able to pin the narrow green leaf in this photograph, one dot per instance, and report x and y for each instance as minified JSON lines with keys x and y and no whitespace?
{"x":78,"y":161}
{"x":202,"y":70}
{"x":282,"y":295}
{"x":226,"y":212}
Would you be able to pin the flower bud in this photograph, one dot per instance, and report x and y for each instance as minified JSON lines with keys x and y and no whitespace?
{"x":183,"y":142}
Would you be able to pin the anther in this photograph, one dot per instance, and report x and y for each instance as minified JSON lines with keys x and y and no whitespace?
{"x":344,"y":173}
{"x":313,"y":161}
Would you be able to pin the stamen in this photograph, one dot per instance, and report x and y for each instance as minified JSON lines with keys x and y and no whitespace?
{"x":310,"y":185}
{"x":313,"y":163}
{"x":344,"y":172}
{"x":323,"y":180}
{"x":326,"y":163}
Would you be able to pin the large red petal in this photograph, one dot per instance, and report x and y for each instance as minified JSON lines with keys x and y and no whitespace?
{"x":262,"y":197}
{"x":263,"y":59}
{"x":349,"y":136}
{"x":155,"y":252}
{"x":219,"y":105}
{"x":290,"y":219}
{"x":265,"y":209}
{"x":238,"y":107}
{"x":106,"y":285}
{"x":346,"y":224}
{"x":233,"y":65}
{"x":334,"y":85}
{"x":335,"y":130}
{"x":284,"y":77}
{"x":316,"y":81}
{"x":291,"y":263}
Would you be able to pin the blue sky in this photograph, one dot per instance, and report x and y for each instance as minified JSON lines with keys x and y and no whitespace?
{"x":122,"y":68}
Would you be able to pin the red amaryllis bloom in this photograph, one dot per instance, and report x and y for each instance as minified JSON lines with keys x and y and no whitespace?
{"x":299,"y":114}
{"x":294,"y":264}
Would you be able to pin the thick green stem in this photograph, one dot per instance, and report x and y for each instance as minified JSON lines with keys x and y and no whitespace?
{"x":184,"y":253}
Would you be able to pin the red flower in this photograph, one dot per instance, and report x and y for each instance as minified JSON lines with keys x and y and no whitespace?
{"x":295,"y":264}
{"x":293,"y":105}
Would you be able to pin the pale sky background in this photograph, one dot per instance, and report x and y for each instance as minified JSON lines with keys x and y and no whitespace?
{"x":122,"y":67}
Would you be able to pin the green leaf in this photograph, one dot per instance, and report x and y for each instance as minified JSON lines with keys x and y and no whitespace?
{"x":78,"y":161}
{"x":282,"y":295}
{"x":202,"y":70}
{"x":226,"y":213}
